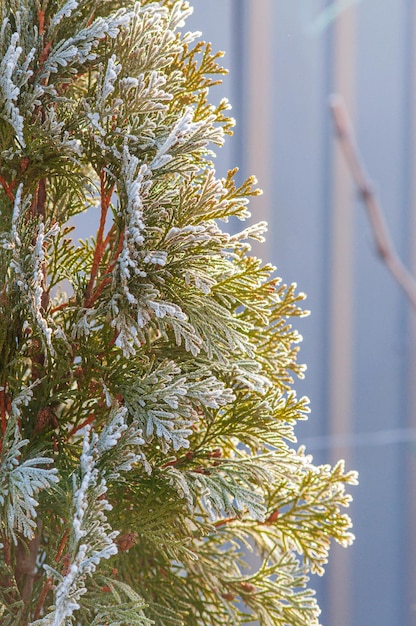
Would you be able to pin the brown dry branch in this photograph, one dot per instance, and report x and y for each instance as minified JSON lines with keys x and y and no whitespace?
{"x":385,"y":247}
{"x":26,"y":558}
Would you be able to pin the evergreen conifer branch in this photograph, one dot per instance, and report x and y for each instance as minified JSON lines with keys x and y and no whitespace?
{"x":146,"y":406}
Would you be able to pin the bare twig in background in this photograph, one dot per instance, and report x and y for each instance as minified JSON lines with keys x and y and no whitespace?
{"x":385,"y":246}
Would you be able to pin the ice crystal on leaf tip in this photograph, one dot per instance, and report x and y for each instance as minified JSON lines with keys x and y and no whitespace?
{"x":146,"y":406}
{"x":64,"y":11}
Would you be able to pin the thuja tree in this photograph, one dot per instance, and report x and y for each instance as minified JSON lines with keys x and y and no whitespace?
{"x":146,"y":410}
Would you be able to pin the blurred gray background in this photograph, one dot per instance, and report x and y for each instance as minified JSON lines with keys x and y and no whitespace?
{"x":285,"y":59}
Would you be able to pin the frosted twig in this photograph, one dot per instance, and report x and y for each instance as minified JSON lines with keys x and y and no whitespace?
{"x":384,"y":244}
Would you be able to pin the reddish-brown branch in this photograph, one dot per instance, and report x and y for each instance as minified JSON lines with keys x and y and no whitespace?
{"x":24,"y":163}
{"x":117,"y":253}
{"x":41,"y":20}
{"x":39,"y":199}
{"x":89,"y":419}
{"x":42,"y":597}
{"x":100,"y":243}
{"x":7,"y":189}
{"x":188,"y":457}
{"x":385,"y":247}
{"x":98,"y":291}
{"x":59,"y":307}
{"x":91,"y":19}
{"x":223,"y":522}
{"x":273,"y":517}
{"x":62,"y":546}
{"x":109,"y":235}
{"x":172,"y":463}
{"x":45,"y":52}
{"x":107,"y":276}
{"x":63,"y":305}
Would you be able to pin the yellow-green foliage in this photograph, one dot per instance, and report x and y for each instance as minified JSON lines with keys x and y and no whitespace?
{"x":146,"y":406}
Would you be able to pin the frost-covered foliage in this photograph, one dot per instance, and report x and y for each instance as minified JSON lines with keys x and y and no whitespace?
{"x":146,"y":411}
{"x":21,"y":480}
